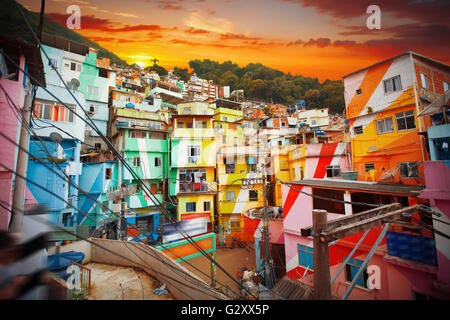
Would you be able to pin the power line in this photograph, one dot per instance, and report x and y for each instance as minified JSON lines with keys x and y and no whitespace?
{"x":121,"y":256}
{"x":146,"y":189}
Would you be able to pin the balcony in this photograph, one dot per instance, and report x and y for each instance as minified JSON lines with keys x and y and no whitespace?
{"x":193,"y":133}
{"x":189,"y":187}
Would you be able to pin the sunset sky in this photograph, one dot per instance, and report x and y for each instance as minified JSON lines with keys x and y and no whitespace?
{"x":314,"y":38}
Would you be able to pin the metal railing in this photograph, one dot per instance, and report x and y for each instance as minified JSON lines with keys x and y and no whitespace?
{"x":84,"y":289}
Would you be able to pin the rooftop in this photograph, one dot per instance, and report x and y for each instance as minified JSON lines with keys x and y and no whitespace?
{"x":364,"y":186}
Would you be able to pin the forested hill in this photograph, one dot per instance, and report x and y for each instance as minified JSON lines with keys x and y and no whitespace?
{"x":13,"y":25}
{"x":266,"y":84}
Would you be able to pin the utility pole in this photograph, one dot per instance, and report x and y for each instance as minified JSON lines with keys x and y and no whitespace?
{"x":321,"y":260}
{"x":268,"y":264}
{"x":21,"y":167}
{"x":163,"y":220}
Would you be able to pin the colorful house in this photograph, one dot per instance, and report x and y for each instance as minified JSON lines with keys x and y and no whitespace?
{"x":193,"y":161}
{"x":141,"y":137}
{"x":17,"y":87}
{"x":62,"y":127}
{"x":406,"y":257}
{"x":97,"y":180}
{"x":382,"y":104}
{"x":437,"y":180}
{"x":237,"y":161}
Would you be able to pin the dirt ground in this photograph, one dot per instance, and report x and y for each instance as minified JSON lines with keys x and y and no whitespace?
{"x":232,"y":260}
{"x":121,"y":283}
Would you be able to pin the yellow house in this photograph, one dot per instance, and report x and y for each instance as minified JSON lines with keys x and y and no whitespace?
{"x":193,"y":161}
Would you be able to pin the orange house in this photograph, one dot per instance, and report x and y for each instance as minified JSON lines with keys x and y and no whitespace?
{"x":382,"y":104}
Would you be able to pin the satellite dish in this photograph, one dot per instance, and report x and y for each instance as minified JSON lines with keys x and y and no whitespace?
{"x":75,"y":84}
{"x":55,"y":137}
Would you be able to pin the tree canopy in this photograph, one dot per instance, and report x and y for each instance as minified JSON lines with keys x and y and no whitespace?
{"x":263,"y":83}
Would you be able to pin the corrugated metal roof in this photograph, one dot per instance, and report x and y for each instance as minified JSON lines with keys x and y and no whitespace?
{"x":288,"y":289}
{"x":391,"y":188}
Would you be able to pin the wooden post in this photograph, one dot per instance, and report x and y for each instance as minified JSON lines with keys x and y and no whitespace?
{"x":321,"y":260}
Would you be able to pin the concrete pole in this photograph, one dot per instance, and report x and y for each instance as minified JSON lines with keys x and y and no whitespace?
{"x":321,"y":260}
{"x":21,"y":168}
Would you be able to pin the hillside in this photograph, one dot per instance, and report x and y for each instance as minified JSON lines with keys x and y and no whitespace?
{"x":13,"y":24}
{"x":263,"y":83}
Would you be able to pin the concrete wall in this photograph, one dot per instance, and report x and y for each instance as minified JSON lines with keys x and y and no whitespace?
{"x":78,"y":246}
{"x":156,"y":264}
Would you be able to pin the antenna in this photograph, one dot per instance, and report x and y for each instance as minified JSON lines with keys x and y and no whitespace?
{"x":55,"y":137}
{"x":75,"y":84}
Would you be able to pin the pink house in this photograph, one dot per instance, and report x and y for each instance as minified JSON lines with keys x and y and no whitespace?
{"x":15,"y":85}
{"x":405,"y":260}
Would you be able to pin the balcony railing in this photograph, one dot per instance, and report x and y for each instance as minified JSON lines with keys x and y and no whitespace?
{"x":188,"y":187}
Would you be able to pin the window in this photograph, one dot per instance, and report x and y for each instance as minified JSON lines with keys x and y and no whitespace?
{"x":53,"y":63}
{"x":187,"y":111}
{"x":103,"y":73}
{"x":446,"y":85}
{"x":359,"y":91}
{"x":351,"y":268}
{"x":358,"y":130}
{"x":283,"y":124}
{"x":225,"y":119}
{"x":230,"y":196}
{"x":53,"y":112}
{"x":313,"y":122}
{"x":105,"y":206}
{"x":190,"y":206}
{"x":409,"y":169}
{"x":193,"y":154}
{"x":280,"y":142}
{"x":180,"y":125}
{"x":385,"y":125}
{"x":92,"y":108}
{"x":206,"y":206}
{"x":405,"y":120}
{"x":305,"y":256}
{"x":424,"y":80}
{"x":98,"y":146}
{"x":108,"y":173}
{"x":251,"y":168}
{"x":157,"y":162}
{"x":136,"y":161}
{"x":369,"y":166}
{"x":333,"y":171}
{"x":224,"y":139}
{"x":194,"y":151}
{"x":253,"y":195}
{"x":392,"y":84}
{"x":235,"y":225}
{"x":92,"y":90}
{"x":75,"y":66}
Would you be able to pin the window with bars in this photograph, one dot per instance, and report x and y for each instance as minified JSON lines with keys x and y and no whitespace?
{"x":385,"y":125}
{"x":158,"y":162}
{"x":358,"y":130}
{"x":190,"y":206}
{"x":405,"y":120}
